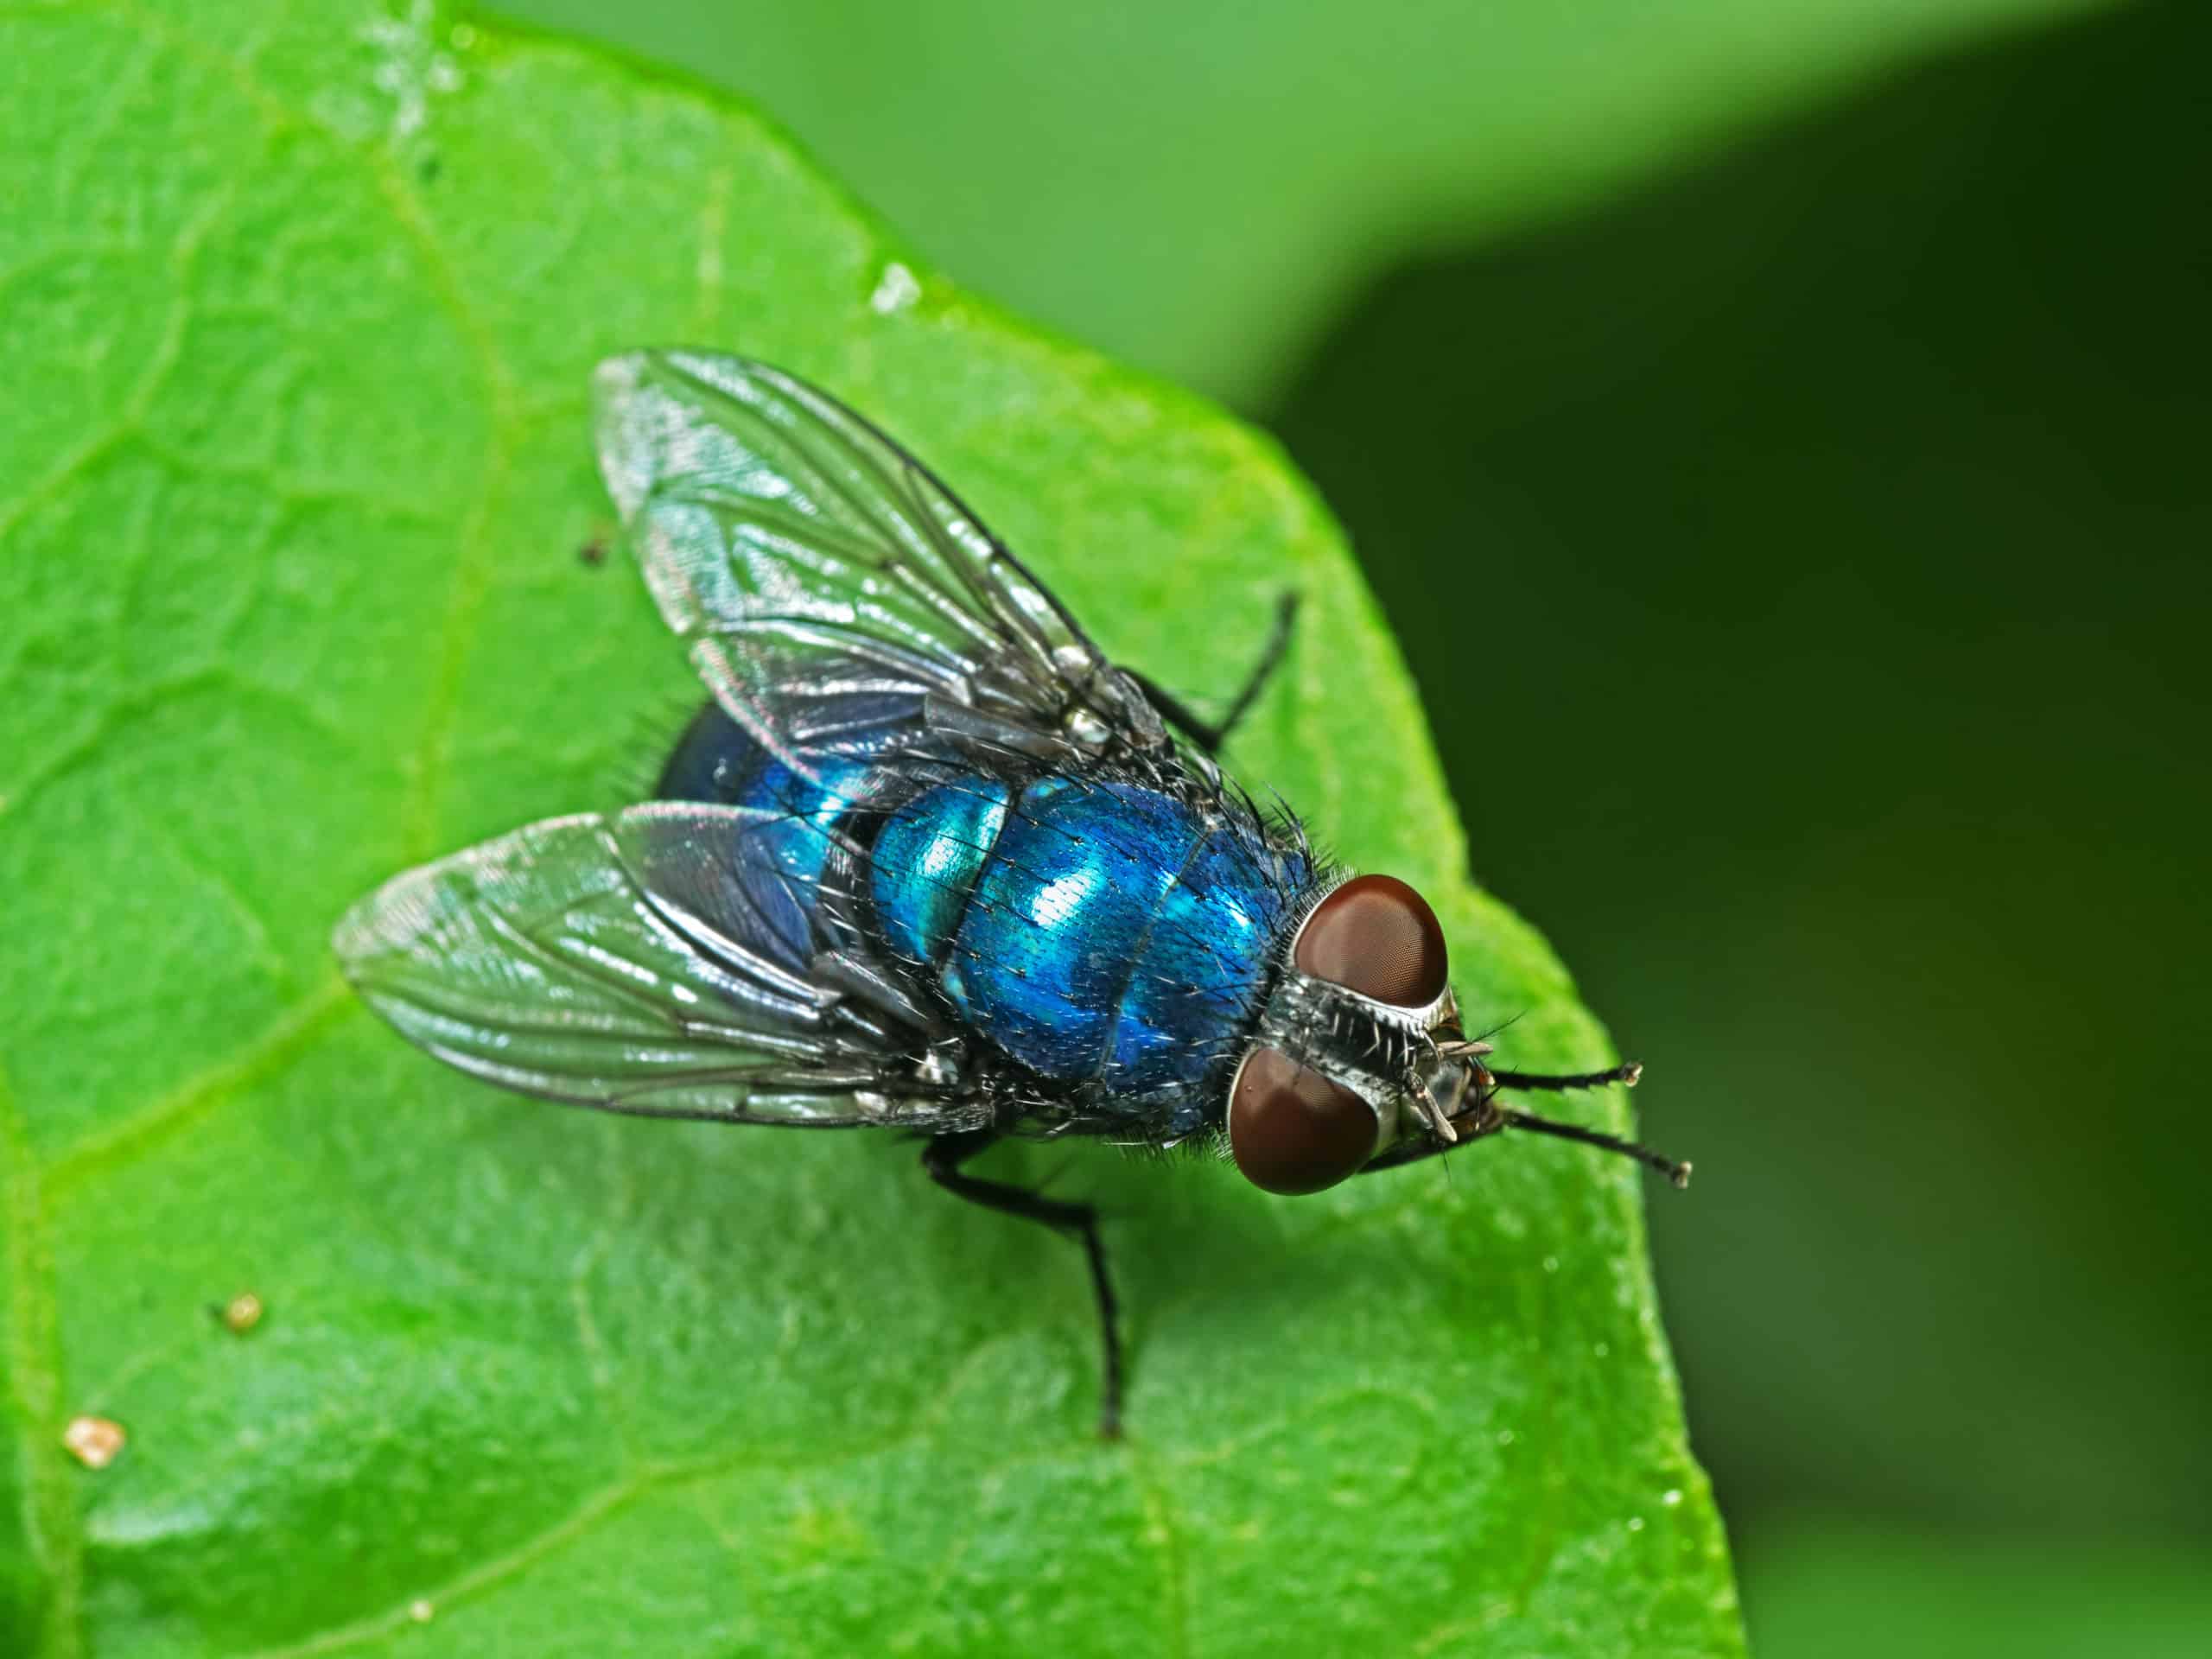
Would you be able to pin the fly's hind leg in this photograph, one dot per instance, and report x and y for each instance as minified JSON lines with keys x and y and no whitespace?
{"x":942,"y":1157}
{"x":1210,"y":736}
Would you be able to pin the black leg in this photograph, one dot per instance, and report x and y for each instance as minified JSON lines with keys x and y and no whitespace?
{"x":1488,"y":1117}
{"x":1471,"y":1127}
{"x":1679,"y":1173}
{"x":1210,"y":736}
{"x":1494,"y":1119}
{"x":1627,"y":1072}
{"x":942,"y":1157}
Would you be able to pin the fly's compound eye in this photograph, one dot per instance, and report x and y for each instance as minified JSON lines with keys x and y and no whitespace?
{"x":1292,"y":1130}
{"x":1377,"y":936}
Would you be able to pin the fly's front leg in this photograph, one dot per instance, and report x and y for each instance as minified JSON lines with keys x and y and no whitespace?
{"x":1210,"y":736}
{"x":1488,"y":1117}
{"x":1471,"y":1127}
{"x":942,"y":1157}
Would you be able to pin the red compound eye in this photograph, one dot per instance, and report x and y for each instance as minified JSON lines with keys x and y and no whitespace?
{"x":1291,"y":1130}
{"x":1377,"y":936}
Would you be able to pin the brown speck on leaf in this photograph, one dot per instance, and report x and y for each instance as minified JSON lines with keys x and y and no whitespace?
{"x":93,"y":1441}
{"x":593,"y":552}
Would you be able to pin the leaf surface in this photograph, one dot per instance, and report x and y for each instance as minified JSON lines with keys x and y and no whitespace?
{"x":299,"y":532}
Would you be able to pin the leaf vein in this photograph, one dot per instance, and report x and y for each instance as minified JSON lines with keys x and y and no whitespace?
{"x":1158,"y":1504}
{"x":124,"y":1142}
{"x":594,"y":1511}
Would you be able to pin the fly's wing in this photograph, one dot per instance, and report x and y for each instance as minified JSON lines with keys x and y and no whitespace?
{"x":807,"y":559}
{"x":629,"y":962}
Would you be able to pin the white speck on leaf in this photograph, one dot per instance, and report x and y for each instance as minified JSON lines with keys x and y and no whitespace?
{"x":411,"y":67}
{"x":898,"y":290}
{"x":93,"y":1441}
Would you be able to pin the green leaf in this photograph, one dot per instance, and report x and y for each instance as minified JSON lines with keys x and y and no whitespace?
{"x":297,"y":473}
{"x":1198,"y":188}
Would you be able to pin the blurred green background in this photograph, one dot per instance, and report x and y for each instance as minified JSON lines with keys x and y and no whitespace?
{"x":1777,"y":434}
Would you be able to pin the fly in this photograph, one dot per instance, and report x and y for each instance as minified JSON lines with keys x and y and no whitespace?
{"x":927,"y":861}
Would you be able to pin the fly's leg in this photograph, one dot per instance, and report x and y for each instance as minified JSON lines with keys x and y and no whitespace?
{"x":1210,"y":736}
{"x":1628,"y":1073}
{"x":1471,"y":1128}
{"x":942,"y":1157}
{"x":1488,"y":1118}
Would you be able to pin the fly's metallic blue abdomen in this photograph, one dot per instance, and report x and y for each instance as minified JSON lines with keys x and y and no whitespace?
{"x":1094,"y":931}
{"x":717,"y":761}
{"x":926,"y":860}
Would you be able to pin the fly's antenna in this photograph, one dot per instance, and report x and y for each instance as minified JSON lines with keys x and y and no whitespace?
{"x":1677,"y":1173}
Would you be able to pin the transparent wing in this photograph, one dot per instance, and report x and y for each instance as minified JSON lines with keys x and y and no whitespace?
{"x":631,"y":963}
{"x":793,"y":547}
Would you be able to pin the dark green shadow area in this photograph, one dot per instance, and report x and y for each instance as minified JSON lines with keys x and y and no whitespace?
{"x":1841,"y":1593}
{"x":1805,"y":566}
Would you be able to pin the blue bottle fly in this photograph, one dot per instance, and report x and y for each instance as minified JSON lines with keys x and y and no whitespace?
{"x":927,"y":861}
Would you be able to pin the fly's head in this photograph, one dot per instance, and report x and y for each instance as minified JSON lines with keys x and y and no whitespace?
{"x":1359,"y":1047}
